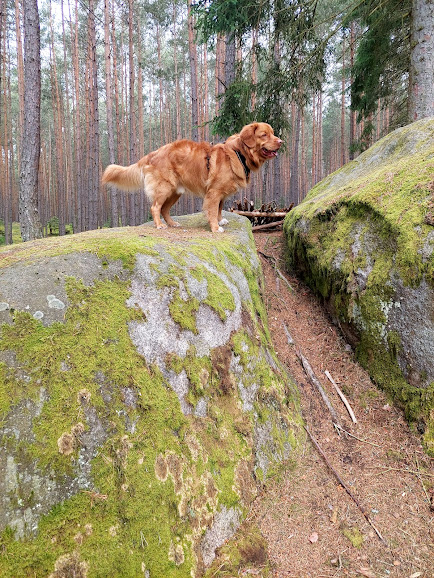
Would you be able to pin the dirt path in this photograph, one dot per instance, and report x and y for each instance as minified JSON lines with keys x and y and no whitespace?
{"x":312,"y":526}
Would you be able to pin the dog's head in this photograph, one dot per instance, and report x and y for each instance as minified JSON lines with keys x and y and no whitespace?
{"x":259,"y":139}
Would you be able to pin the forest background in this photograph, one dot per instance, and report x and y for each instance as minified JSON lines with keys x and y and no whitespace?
{"x":119,"y":78}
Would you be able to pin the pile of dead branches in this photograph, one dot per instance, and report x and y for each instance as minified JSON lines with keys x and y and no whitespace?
{"x":268,"y":216}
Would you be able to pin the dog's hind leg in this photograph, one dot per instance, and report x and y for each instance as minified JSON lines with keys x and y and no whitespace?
{"x":155,"y":212}
{"x":160,"y":191}
{"x":168,"y":203}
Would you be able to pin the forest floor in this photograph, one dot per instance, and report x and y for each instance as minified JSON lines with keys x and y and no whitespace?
{"x":312,"y":525}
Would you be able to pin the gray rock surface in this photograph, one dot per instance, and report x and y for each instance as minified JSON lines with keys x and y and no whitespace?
{"x":138,"y":408}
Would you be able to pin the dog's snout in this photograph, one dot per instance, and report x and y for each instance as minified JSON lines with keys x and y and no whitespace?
{"x":279,"y":141}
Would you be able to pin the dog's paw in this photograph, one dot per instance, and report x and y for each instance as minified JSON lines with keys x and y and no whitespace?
{"x":162,"y":226}
{"x":223,"y":222}
{"x":175,"y":224}
{"x":220,"y":230}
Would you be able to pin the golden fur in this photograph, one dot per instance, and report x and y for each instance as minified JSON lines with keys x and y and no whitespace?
{"x":211,"y":171}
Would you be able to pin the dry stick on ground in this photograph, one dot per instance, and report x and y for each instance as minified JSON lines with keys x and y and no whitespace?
{"x":342,"y":396}
{"x":288,"y":335}
{"x":356,"y":438}
{"x":315,"y":381}
{"x":276,"y":268}
{"x":267,"y":225}
{"x":343,"y":484}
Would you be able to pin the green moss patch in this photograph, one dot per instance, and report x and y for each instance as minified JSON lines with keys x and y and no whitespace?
{"x":134,"y":484}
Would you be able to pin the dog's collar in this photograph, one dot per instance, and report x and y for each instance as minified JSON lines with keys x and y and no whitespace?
{"x":242,"y":160}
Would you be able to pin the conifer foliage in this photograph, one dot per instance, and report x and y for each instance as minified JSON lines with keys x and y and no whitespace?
{"x":119,"y":79}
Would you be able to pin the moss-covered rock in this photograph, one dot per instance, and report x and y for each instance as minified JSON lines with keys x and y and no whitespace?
{"x":363,"y":239}
{"x":141,"y":402}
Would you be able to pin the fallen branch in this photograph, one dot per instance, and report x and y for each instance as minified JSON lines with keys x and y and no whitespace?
{"x":342,"y":396}
{"x":356,"y":438}
{"x":343,"y":484}
{"x":288,"y":335}
{"x":260,"y":213}
{"x":276,"y":268}
{"x":315,"y":381}
{"x":267,"y":225}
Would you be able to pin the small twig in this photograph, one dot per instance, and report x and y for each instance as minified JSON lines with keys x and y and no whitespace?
{"x":276,"y":268}
{"x":143,"y":540}
{"x":418,"y":475}
{"x":355,"y":437}
{"x":315,"y":381}
{"x":388,"y":469}
{"x":288,"y":335}
{"x":343,"y":484}
{"x":94,"y":496}
{"x":342,"y":396}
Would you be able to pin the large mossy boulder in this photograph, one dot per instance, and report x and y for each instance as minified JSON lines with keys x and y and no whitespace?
{"x":141,"y":401}
{"x":363,"y":239}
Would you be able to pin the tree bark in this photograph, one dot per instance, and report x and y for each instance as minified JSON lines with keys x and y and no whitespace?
{"x":230,"y":53}
{"x":31,"y":142}
{"x":421,"y":80}
{"x":352,"y":112}
{"x":93,"y":134}
{"x":343,"y":108}
{"x":294,"y":193}
{"x":114,"y":215}
{"x":193,"y":72}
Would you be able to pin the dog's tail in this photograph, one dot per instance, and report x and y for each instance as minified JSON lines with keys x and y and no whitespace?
{"x":125,"y":178}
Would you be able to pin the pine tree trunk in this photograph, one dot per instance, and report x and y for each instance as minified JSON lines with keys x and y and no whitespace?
{"x":66,"y":136}
{"x":230,"y":52}
{"x":205,"y":119}
{"x":314,"y":145}
{"x":320,"y":137}
{"x":131,"y":84}
{"x":58,"y":127}
{"x":193,"y":76}
{"x":5,"y":161}
{"x":343,"y":143}
{"x":294,"y":174}
{"x":114,"y":214}
{"x":31,"y":142}
{"x":303,"y":179}
{"x":20,"y":72}
{"x":93,"y":134}
{"x":421,"y":81}
{"x":79,"y":167}
{"x":352,"y":112}
{"x":178,"y":131}
{"x":219,"y":71}
{"x":254,"y":66}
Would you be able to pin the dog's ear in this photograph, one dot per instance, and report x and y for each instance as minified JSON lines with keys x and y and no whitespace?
{"x":248,"y":134}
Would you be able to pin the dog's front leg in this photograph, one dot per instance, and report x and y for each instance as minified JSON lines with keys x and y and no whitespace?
{"x":211,"y":206}
{"x":221,"y":221}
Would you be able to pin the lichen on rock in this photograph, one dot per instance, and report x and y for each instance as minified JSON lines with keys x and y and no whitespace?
{"x":137,"y":422}
{"x":363,"y":240}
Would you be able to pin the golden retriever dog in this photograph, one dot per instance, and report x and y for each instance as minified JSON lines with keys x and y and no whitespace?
{"x":213,"y":172}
